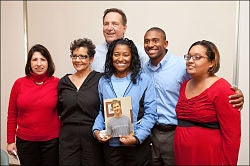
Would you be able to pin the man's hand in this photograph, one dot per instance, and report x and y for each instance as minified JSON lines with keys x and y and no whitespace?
{"x":237,"y":99}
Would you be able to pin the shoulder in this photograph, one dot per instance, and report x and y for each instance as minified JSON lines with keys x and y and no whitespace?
{"x":103,"y":82}
{"x":125,"y":117}
{"x":20,"y":80}
{"x":176,"y":58}
{"x":144,"y":75}
{"x":178,"y":63}
{"x":53,"y":78}
{"x":97,"y":74}
{"x":66,"y":75}
{"x":64,"y":78}
{"x":221,"y":87}
{"x":222,"y":83}
{"x":144,"y":78}
{"x":100,"y":48}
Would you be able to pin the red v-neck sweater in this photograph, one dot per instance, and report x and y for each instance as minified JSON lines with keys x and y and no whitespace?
{"x":32,"y":113}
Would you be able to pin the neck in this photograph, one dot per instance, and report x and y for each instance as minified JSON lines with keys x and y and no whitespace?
{"x":117,"y":116}
{"x":200,"y":79}
{"x":83,"y":73}
{"x":157,"y":60}
{"x":121,"y":75}
{"x":38,"y":79}
{"x":204,"y":81}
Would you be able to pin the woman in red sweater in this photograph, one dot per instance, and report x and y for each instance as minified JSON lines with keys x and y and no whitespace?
{"x":209,"y":128}
{"x":33,"y":124}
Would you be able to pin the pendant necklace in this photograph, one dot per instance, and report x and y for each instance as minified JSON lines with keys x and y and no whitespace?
{"x":39,"y":83}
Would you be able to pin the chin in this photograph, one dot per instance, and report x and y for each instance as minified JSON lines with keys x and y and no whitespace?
{"x":110,"y":39}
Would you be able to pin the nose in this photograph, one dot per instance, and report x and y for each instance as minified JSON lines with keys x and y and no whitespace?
{"x":77,"y":58}
{"x":110,"y":27}
{"x":39,"y":62}
{"x":151,"y":44}
{"x":120,"y":58}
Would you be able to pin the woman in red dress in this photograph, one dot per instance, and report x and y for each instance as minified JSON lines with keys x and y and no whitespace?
{"x":208,"y":131}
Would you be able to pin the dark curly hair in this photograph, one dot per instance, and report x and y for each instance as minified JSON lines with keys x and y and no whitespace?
{"x":135,"y":66}
{"x":86,"y":43}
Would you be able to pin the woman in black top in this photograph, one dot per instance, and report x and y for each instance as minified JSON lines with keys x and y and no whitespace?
{"x":78,"y":106}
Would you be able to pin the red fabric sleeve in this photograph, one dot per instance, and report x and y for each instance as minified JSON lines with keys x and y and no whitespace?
{"x":12,"y":114}
{"x":230,"y":123}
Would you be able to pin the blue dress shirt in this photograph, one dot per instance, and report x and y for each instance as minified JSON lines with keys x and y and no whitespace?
{"x":168,"y":76}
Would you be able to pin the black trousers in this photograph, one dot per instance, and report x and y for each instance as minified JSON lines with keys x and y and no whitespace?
{"x":38,"y":153}
{"x":139,"y":155}
{"x":78,"y":147}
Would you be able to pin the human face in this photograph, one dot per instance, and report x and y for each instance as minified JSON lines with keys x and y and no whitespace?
{"x":112,"y":27}
{"x":198,"y":67}
{"x":116,"y":108}
{"x":121,"y":60}
{"x":81,"y":64}
{"x":38,"y":63}
{"x":155,"y":46}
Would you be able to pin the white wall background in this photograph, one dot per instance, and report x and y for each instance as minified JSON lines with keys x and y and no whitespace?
{"x":57,"y":23}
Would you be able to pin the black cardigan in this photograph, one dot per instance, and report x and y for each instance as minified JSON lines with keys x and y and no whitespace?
{"x":79,"y":106}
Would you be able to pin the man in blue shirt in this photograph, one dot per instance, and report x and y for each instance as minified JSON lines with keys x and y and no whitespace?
{"x":114,"y":27}
{"x":168,"y":72}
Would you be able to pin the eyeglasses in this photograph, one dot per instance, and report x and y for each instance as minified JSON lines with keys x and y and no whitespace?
{"x":79,"y":56}
{"x":194,"y":57}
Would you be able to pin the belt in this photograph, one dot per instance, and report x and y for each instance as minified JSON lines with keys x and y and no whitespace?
{"x":163,"y":127}
{"x":186,"y":123}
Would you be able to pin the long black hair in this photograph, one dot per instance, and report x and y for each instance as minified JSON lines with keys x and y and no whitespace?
{"x":135,"y":66}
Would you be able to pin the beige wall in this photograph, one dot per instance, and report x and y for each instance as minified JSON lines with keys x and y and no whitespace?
{"x":244,"y":80}
{"x":55,"y":24}
{"x":12,"y":56}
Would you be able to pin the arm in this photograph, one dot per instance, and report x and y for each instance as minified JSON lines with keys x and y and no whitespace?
{"x":143,"y":128}
{"x":230,"y":125}
{"x":12,"y":114}
{"x":237,"y":99}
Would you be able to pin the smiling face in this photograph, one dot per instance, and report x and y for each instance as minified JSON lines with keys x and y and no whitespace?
{"x":121,"y":60}
{"x":81,"y":64}
{"x":117,"y":109}
{"x":155,"y":46}
{"x":38,"y":63}
{"x":198,"y":67}
{"x":113,"y":27}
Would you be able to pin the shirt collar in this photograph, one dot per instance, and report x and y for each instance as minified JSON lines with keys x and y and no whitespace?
{"x":162,"y":62}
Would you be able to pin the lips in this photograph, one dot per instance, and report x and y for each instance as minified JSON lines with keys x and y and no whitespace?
{"x":151,"y":51}
{"x":77,"y":65}
{"x":110,"y":34}
{"x":190,"y":67}
{"x":39,"y":69}
{"x":120,"y":64}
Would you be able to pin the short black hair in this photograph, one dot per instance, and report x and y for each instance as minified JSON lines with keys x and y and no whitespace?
{"x":45,"y":52}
